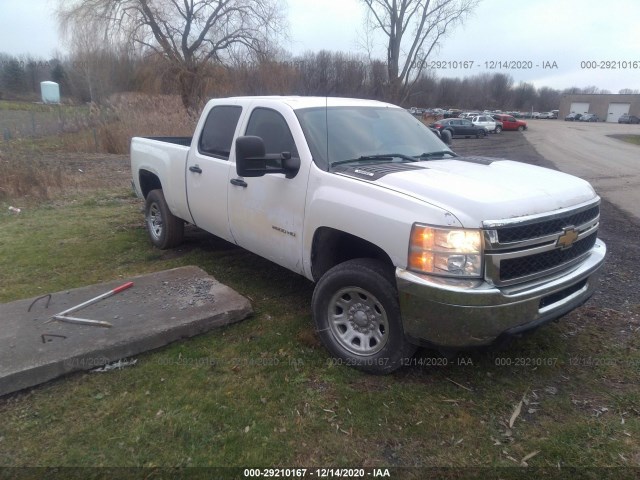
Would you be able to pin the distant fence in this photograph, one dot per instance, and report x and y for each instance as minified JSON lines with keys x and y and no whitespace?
{"x":49,"y":120}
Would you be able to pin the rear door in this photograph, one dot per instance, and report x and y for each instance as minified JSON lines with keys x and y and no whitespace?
{"x":509,"y":123}
{"x":467,"y":127}
{"x":208,"y":165}
{"x":456,"y":126}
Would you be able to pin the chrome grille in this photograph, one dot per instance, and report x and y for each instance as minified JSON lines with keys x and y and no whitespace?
{"x":540,"y":262}
{"x":517,"y":233}
{"x":524,"y":249}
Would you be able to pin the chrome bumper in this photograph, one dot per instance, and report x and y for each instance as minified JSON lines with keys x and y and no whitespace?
{"x":455,"y":313}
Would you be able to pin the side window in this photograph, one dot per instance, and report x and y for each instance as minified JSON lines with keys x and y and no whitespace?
{"x":217,"y":134}
{"x":274,"y":131}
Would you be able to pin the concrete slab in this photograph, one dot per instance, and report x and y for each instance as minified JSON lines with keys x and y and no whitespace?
{"x":159,"y":309}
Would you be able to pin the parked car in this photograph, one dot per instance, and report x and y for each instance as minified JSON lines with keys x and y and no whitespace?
{"x":548,"y":115}
{"x":572,"y":117}
{"x":459,"y":127}
{"x":590,"y":117}
{"x":509,"y":122}
{"x":487,"y":122}
{"x":626,"y":118}
{"x":452,"y":113}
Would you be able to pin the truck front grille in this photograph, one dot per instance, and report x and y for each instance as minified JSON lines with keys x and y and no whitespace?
{"x":525,"y":249}
{"x":546,"y":227}
{"x":541,"y":262}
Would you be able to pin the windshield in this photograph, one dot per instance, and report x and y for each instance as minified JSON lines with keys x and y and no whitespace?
{"x":363,"y":133}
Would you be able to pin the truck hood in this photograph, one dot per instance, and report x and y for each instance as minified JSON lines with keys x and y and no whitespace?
{"x":476,"y":189}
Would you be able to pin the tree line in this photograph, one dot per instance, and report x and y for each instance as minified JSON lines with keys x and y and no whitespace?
{"x":93,"y":76}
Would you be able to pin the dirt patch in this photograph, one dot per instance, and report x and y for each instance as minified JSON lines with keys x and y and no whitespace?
{"x":35,"y":177}
{"x":87,"y":170}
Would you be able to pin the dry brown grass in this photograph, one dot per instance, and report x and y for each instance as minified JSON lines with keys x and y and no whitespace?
{"x":39,"y":168}
{"x":134,"y":114}
{"x":33,"y":178}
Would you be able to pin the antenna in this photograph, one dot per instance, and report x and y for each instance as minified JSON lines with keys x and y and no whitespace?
{"x":326,"y":121}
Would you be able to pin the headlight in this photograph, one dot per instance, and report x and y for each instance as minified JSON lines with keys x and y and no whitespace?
{"x":445,"y":251}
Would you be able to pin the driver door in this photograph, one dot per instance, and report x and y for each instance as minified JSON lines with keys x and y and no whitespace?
{"x":266,"y":214}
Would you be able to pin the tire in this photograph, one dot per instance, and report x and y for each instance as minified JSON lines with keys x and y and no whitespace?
{"x":357,"y":316}
{"x":165,"y":229}
{"x":521,"y":128}
{"x":445,"y":136}
{"x":498,"y":129}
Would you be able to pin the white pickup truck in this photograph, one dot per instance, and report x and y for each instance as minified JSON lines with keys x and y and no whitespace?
{"x":408,"y":243}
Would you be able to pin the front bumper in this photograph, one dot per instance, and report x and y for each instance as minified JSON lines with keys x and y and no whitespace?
{"x":454,"y":313}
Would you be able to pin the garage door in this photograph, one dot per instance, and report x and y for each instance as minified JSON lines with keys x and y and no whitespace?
{"x":616,"y":110}
{"x":580,"y":107}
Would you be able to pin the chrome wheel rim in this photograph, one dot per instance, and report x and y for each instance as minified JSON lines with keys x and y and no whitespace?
{"x":154,"y":221}
{"x":358,"y":321}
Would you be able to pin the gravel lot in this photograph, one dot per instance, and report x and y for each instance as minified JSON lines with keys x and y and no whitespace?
{"x":588,"y":150}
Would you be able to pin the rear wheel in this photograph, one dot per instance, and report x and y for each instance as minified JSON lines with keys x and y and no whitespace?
{"x":498,"y":129}
{"x":445,"y":135}
{"x":357,"y":315}
{"x":165,"y":229}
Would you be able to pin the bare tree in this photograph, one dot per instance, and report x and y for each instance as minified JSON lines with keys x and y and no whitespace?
{"x":189,"y":34}
{"x":412,"y":30}
{"x":548,"y":99}
{"x":525,"y":96}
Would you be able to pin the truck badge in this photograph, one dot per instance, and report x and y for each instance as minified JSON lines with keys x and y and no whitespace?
{"x":568,"y":237}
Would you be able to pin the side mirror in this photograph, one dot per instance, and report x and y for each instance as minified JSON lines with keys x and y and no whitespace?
{"x":290,"y":165}
{"x":250,"y":157}
{"x":251,"y":160}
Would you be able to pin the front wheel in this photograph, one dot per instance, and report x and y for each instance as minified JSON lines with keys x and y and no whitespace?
{"x":357,"y":315}
{"x":498,"y":129}
{"x":520,"y":128}
{"x":165,"y":229}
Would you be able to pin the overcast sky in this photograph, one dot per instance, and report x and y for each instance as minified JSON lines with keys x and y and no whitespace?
{"x":534,"y":32}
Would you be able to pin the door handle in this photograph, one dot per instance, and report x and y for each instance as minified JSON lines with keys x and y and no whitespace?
{"x":195,"y":169}
{"x":238,"y":182}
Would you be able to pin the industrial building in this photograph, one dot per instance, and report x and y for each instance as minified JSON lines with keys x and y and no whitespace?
{"x":608,"y":107}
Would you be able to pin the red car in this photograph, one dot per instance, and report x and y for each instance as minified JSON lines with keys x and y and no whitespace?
{"x":511,"y":123}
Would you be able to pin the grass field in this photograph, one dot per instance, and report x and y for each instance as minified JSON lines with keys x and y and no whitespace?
{"x":265,"y":393}
{"x":633,"y":139}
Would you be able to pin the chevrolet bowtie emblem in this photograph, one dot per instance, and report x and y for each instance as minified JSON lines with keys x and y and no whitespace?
{"x":569,"y":235}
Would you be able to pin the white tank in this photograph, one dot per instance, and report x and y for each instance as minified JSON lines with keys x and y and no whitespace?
{"x":50,"y":92}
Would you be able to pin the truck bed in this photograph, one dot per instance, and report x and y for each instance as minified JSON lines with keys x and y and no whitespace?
{"x":166,"y":158}
{"x":184,"y":141}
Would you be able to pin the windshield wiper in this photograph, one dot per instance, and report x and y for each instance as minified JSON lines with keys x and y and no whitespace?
{"x":382,"y":156}
{"x":439,"y":153}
